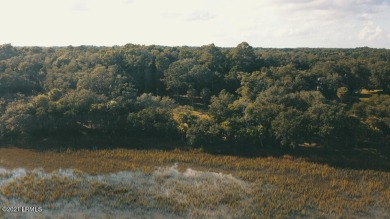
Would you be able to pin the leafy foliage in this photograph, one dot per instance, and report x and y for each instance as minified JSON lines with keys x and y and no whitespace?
{"x":241,"y":95}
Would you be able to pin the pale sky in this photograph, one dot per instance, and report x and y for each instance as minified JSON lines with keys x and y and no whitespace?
{"x":226,"y":23}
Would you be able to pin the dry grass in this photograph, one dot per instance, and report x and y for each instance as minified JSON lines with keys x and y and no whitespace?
{"x":257,"y":187}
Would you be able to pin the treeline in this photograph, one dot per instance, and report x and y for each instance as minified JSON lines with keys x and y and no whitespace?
{"x":200,"y":95}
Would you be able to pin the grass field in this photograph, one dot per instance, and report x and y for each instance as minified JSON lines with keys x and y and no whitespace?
{"x":181,"y":184}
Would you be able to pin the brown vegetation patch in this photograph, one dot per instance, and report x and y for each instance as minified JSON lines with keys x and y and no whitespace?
{"x":279,"y":187}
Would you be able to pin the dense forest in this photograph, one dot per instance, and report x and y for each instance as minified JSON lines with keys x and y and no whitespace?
{"x":200,"y":96}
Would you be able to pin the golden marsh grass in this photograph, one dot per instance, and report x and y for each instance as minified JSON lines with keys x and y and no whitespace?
{"x":214,"y":186}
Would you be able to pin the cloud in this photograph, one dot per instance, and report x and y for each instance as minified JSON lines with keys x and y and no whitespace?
{"x":371,"y":32}
{"x":322,"y":22}
{"x":346,"y":8}
{"x":265,"y":23}
{"x":201,"y":16}
{"x":80,"y":5}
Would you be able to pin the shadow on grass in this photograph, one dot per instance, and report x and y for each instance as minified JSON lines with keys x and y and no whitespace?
{"x":353,"y":158}
{"x":90,"y":142}
{"x":346,"y":158}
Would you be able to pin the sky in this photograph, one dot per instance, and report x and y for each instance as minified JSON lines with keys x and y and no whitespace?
{"x":226,"y":23}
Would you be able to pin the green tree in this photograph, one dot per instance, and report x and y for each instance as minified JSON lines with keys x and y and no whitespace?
{"x":375,"y":113}
{"x":176,"y":76}
{"x":243,"y":57}
{"x":18,"y":118}
{"x":325,"y":123}
{"x":289,"y":128}
{"x":380,"y":76}
{"x":212,"y":57}
{"x":152,"y":115}
{"x":7,"y":51}
{"x":219,"y":106}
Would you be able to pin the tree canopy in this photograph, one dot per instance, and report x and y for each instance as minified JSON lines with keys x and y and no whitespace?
{"x":199,"y":95}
